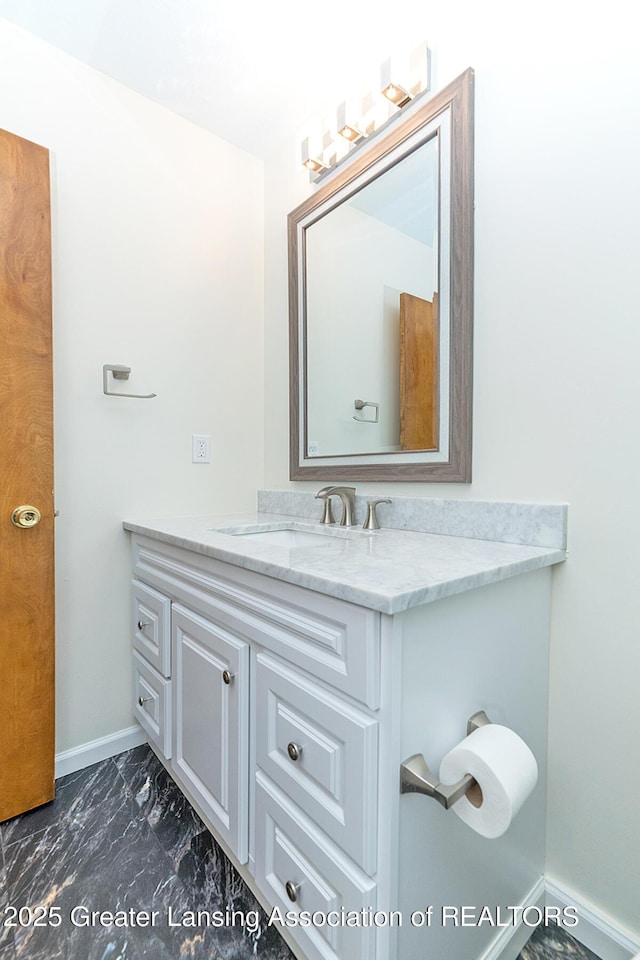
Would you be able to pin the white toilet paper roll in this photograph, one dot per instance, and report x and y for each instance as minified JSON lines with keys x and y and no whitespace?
{"x":505,"y":770}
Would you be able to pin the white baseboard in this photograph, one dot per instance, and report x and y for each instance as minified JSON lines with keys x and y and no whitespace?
{"x":510,"y":941}
{"x":95,"y":750}
{"x":595,"y":930}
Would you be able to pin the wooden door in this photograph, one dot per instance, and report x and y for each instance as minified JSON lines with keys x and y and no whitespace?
{"x":26,"y":478}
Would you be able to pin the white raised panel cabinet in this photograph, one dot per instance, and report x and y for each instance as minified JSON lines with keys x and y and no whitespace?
{"x":151,"y":629}
{"x":291,"y":713}
{"x":322,"y":752}
{"x":211,"y":735}
{"x":152,"y":704}
{"x":151,"y":615}
{"x":298,"y":870}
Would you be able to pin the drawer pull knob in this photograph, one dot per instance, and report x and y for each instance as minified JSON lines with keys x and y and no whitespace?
{"x":292,"y":890}
{"x":143,"y":700}
{"x":143,"y":623}
{"x":294,"y":751}
{"x":227,"y":676}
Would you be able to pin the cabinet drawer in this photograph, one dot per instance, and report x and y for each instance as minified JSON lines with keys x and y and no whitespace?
{"x":334,"y":641}
{"x":290,"y":850}
{"x":151,"y":617}
{"x":152,"y":703}
{"x":322,"y":752}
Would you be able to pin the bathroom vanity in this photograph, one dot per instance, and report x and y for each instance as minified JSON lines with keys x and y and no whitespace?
{"x":283,"y":673}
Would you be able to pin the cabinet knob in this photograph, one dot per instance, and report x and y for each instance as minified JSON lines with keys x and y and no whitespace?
{"x":292,"y":890}
{"x":143,"y":700}
{"x":227,"y":676}
{"x":294,"y":750}
{"x":143,"y":623}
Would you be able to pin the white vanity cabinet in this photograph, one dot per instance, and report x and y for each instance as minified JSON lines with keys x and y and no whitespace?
{"x":291,"y":713}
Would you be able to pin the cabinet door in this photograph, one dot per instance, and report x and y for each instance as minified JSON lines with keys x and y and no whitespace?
{"x":211,"y":688}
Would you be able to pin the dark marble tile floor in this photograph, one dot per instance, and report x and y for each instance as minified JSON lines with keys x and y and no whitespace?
{"x":120,"y":836}
{"x":553,"y":943}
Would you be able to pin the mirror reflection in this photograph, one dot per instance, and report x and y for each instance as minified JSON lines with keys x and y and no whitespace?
{"x":372,"y":270}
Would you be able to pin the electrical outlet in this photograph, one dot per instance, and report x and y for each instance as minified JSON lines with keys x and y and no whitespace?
{"x":200,"y":448}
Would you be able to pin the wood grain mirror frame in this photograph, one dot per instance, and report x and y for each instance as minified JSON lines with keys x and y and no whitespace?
{"x":457,"y":98}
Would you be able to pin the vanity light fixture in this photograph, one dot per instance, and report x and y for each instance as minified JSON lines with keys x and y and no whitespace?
{"x":312,"y":163}
{"x":394,"y":92}
{"x":314,"y":166}
{"x":350,"y":131}
{"x":398,"y":96}
{"x":352,"y":134}
{"x":324,"y":145}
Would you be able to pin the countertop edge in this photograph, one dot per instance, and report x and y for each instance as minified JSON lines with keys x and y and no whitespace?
{"x":383,"y":602}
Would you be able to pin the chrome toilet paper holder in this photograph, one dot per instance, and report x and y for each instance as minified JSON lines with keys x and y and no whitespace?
{"x":417,"y":777}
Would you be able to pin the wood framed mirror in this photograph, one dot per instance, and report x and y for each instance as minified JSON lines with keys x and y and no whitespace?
{"x":381,"y":304}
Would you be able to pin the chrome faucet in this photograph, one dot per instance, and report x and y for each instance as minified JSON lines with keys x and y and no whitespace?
{"x":348,"y":497}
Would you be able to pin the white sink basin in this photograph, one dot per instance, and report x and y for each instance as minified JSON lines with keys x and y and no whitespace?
{"x":287,"y":538}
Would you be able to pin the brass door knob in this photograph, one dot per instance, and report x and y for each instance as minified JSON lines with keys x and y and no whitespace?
{"x":26,"y":516}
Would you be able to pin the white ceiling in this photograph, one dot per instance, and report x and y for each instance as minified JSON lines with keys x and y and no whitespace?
{"x":251,"y":71}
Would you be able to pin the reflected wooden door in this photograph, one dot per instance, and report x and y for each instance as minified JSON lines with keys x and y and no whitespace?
{"x":419,"y":374}
{"x":26,"y":480}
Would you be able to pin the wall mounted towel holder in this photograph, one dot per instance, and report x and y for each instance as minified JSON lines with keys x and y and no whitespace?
{"x":416,"y":776}
{"x":120,"y":372}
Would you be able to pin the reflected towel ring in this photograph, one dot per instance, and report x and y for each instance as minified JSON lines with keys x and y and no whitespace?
{"x":360,"y":404}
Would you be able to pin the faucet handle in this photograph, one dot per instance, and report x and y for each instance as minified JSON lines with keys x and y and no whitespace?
{"x":327,"y":513}
{"x":325,"y":495}
{"x":371,"y":522}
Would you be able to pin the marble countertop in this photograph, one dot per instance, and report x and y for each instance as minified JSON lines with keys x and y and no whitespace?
{"x":388,"y":570}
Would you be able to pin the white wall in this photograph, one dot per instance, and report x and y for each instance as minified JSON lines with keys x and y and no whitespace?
{"x":556,"y":396}
{"x":157,"y":264}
